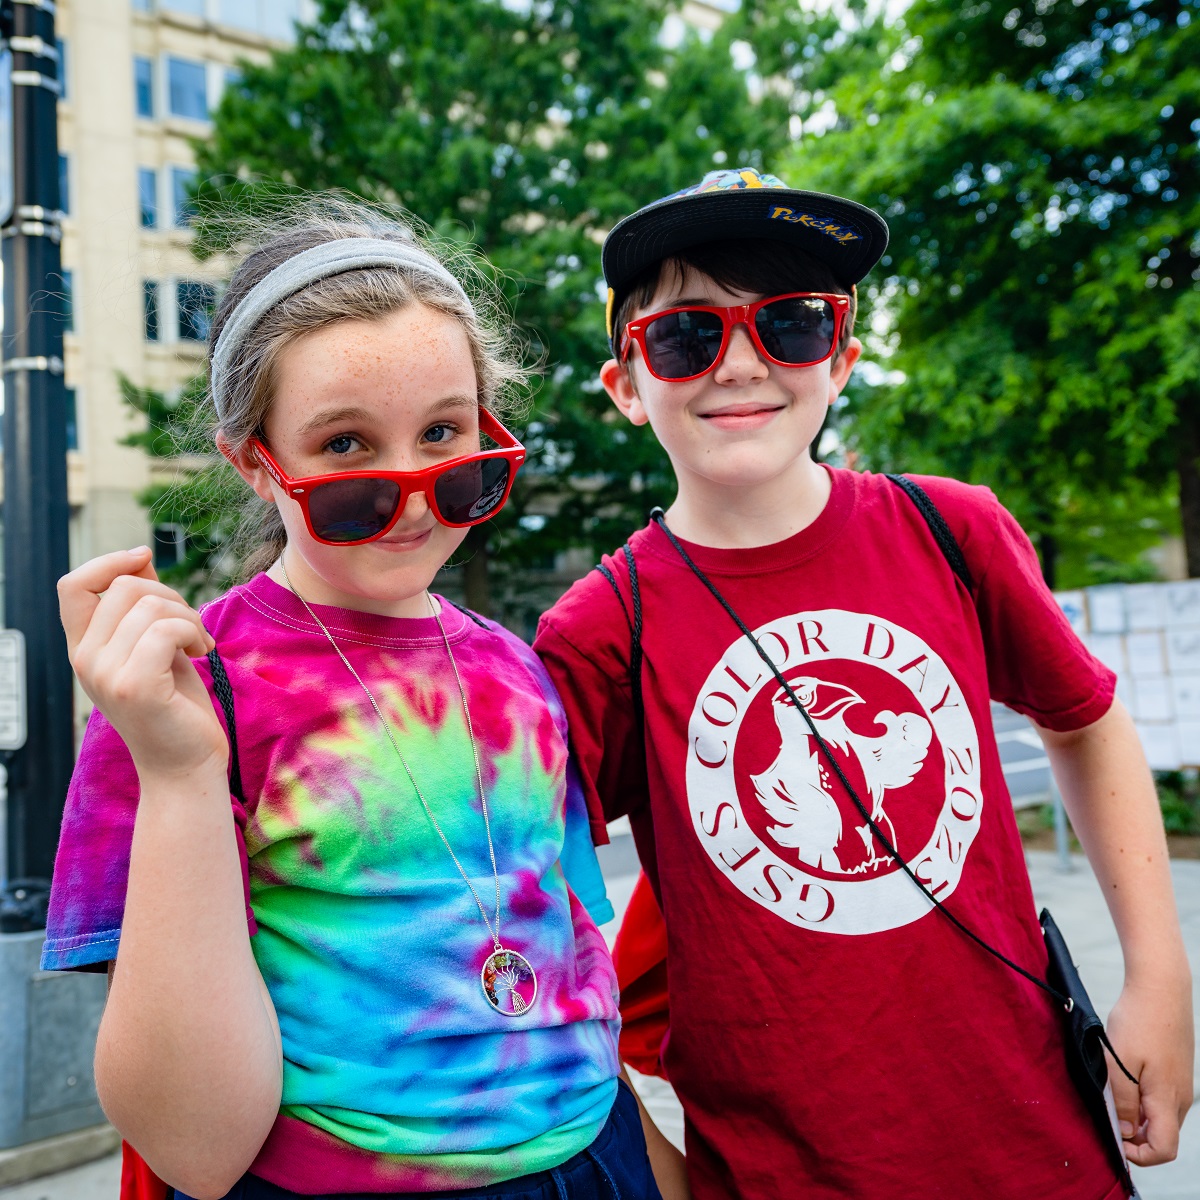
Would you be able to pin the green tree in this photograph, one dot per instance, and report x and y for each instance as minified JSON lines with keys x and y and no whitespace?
{"x":1039,"y":305}
{"x":527,"y":129}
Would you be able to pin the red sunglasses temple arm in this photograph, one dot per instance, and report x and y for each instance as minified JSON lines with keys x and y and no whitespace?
{"x":490,"y":425}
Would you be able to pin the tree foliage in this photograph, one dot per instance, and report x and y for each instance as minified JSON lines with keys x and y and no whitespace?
{"x":1039,"y":306}
{"x":526,"y":129}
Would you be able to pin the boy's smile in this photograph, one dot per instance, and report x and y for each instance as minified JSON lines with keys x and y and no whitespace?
{"x":740,"y":436}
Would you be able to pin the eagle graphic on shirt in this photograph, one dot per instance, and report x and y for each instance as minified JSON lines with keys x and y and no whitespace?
{"x":795,"y":789}
{"x":804,"y":831}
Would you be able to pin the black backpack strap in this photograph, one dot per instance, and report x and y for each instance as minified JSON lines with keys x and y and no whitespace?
{"x":224,"y":692}
{"x":466,"y":612}
{"x":942,"y":534}
{"x":635,"y":628}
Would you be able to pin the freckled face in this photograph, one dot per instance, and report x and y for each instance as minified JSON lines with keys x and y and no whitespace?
{"x":397,"y":394}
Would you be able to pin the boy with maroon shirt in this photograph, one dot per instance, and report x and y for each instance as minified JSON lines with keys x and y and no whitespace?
{"x":830,"y":1035}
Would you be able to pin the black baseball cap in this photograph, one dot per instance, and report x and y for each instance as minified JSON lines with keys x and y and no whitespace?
{"x":744,"y":203}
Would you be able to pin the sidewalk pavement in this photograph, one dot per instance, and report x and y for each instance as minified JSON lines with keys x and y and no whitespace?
{"x":1078,"y":907}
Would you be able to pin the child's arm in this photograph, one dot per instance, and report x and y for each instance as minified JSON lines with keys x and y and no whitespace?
{"x":666,"y":1160}
{"x":1109,"y":794}
{"x":188,"y":1058}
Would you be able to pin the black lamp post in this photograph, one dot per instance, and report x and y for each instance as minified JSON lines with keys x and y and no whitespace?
{"x":35,"y":462}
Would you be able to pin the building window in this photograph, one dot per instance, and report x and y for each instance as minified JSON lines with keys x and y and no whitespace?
{"x":187,"y":89}
{"x":195,"y":302}
{"x":150,"y":308}
{"x":64,"y":183}
{"x":170,"y":545}
{"x":193,"y":8}
{"x":72,"y":420}
{"x":272,"y":18}
{"x":182,"y":209}
{"x":62,"y":68}
{"x":66,"y":296}
{"x":279,"y":18}
{"x":143,"y":87}
{"x":148,"y":196}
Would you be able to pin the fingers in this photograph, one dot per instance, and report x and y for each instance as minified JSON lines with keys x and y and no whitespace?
{"x":1127,"y":1099}
{"x":79,"y":592}
{"x":148,"y":611}
{"x":126,"y":593}
{"x":154,"y":656}
{"x":1156,"y":1138}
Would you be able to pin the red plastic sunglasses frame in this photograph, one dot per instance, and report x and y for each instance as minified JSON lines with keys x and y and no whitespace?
{"x":731,"y":315}
{"x":408,"y":482}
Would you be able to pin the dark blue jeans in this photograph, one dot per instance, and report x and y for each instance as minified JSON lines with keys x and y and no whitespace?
{"x":613,"y":1167}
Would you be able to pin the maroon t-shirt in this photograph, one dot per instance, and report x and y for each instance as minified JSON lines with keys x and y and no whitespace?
{"x":830,"y":1034}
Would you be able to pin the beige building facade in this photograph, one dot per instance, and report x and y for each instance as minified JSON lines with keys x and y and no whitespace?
{"x":140,"y":80}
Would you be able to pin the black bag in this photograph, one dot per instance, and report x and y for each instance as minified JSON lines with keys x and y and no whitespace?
{"x":1084,"y":1038}
{"x":1086,"y":1042}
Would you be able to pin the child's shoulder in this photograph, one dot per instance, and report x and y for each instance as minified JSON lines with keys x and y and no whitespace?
{"x":972,"y":511}
{"x":594,"y":615}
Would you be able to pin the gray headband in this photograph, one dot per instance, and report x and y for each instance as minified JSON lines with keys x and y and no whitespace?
{"x":329,"y":258}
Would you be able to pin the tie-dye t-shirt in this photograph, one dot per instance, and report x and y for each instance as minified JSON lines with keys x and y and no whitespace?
{"x":398,"y":1075}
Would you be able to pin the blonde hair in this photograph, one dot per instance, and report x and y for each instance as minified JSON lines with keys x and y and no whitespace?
{"x":370,"y":293}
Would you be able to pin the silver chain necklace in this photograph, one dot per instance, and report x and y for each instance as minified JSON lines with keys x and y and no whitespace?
{"x":508,"y":980}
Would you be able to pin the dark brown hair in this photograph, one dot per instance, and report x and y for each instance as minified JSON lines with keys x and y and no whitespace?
{"x":760,"y":266}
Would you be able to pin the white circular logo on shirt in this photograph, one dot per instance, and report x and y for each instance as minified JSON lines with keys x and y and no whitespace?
{"x":769,"y":809}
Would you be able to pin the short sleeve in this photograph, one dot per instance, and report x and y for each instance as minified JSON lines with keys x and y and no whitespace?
{"x":1036,"y":662}
{"x":579,"y":862}
{"x":605,"y":741}
{"x":91,"y":870}
{"x":578,"y":859}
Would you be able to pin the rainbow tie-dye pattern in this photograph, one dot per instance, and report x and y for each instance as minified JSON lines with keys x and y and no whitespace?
{"x":398,"y":1074}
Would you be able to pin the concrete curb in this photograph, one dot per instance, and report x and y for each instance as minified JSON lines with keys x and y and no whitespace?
{"x":56,"y":1154}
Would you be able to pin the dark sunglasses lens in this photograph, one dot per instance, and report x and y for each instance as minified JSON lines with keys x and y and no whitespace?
{"x":684,"y":343}
{"x":797,"y":331}
{"x":352,"y":510}
{"x":472,"y":492}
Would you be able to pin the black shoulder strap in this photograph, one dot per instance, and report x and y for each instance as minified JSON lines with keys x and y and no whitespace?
{"x":942,"y":534}
{"x":466,"y":612}
{"x":224,"y":691}
{"x":635,"y":628}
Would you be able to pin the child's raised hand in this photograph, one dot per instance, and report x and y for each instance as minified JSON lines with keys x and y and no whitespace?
{"x":130,"y":639}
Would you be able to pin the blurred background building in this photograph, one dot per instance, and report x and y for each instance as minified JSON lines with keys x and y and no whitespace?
{"x":140,"y":80}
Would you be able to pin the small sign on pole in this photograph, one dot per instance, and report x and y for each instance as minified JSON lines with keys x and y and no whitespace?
{"x":13,"y":722}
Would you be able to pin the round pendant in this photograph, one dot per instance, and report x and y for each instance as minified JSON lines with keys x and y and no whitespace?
{"x":509,"y":983}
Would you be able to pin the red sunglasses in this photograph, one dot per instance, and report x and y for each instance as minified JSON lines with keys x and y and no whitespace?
{"x":799,"y":329}
{"x":348,"y":508}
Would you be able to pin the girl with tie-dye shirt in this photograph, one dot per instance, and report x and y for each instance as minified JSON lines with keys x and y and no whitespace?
{"x":358,"y":953}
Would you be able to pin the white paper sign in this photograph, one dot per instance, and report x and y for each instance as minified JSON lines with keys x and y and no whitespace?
{"x":1153,"y":700}
{"x":1145,"y":606}
{"x":1106,"y":609}
{"x":1183,"y":650}
{"x":1186,"y":689}
{"x":1145,"y":652}
{"x":12,"y":689}
{"x":1109,"y":648}
{"x":1183,"y":602}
